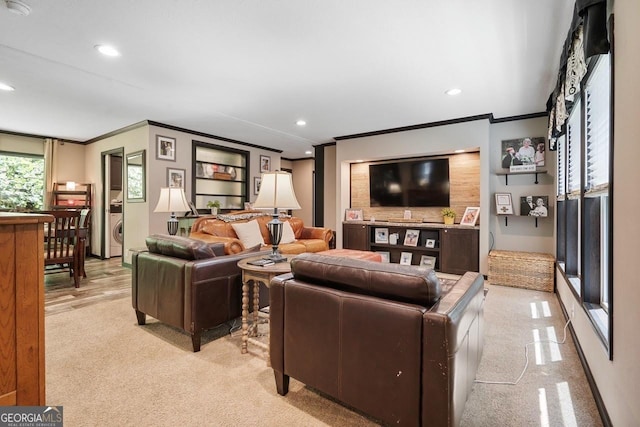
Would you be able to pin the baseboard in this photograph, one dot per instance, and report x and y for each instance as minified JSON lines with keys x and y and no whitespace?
{"x":602,"y":409}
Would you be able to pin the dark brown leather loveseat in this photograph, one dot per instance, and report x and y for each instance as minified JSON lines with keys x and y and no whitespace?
{"x":386,"y":339}
{"x":187,"y":283}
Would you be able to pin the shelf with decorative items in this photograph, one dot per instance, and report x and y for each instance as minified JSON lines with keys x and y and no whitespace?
{"x":220,"y":178}
{"x":71,"y":195}
{"x":535,"y":172}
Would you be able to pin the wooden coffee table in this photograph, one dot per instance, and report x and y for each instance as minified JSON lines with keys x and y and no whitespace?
{"x":257,"y":275}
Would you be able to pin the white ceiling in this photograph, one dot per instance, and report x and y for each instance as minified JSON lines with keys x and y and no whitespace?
{"x":248,"y":69}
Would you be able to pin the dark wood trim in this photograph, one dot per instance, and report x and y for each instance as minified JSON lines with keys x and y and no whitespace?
{"x":488,"y":116}
{"x":602,"y":409}
{"x":319,"y":187}
{"x":296,"y":160}
{"x":29,"y":135}
{"x":326,"y":144}
{"x":612,"y":104}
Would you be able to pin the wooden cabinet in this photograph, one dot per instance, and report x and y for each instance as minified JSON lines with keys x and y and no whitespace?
{"x":355,"y":236}
{"x":64,"y":196}
{"x":460,"y":250}
{"x":451,"y":249}
{"x":22,"y":361}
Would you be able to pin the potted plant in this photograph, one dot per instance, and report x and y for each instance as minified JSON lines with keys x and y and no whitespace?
{"x":214,"y":206}
{"x":448,"y":215}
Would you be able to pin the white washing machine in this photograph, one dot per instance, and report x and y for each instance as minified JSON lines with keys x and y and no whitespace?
{"x":115,"y":226}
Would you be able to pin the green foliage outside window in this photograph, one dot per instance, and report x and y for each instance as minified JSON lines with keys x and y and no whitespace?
{"x":21,"y":183}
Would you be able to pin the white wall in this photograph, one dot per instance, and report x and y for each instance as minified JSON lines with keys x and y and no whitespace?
{"x":70,"y":165}
{"x":521,"y":231}
{"x":618,"y":380}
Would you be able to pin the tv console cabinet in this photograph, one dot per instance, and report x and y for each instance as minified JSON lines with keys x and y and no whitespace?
{"x":453,"y":248}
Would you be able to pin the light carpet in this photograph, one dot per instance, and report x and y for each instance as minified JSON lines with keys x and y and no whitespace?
{"x":106,"y":370}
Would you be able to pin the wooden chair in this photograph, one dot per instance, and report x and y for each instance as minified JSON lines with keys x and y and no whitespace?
{"x":60,"y":246}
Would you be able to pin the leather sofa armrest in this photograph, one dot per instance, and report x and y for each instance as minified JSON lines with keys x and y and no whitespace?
{"x":316,"y":233}
{"x":231,"y":244}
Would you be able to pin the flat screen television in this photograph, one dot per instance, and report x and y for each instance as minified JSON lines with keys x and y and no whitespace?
{"x":410,"y":183}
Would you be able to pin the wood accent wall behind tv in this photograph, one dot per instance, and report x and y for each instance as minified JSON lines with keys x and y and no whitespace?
{"x":464,"y":176}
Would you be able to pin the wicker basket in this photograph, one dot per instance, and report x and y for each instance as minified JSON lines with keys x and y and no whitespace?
{"x":528,"y":270}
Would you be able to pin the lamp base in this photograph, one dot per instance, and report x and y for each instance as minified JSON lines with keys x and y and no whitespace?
{"x":276,"y":257}
{"x":172,"y":226}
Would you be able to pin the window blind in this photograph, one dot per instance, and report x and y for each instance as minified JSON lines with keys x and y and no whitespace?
{"x":573,"y":151}
{"x":561,"y":167}
{"x":597,"y":127}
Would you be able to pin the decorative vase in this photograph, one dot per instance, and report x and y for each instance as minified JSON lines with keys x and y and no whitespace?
{"x":214,"y":211}
{"x":448,"y":220}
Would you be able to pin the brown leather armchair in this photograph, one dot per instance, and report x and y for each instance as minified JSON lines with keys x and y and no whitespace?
{"x":186,"y":283}
{"x":386,"y":339}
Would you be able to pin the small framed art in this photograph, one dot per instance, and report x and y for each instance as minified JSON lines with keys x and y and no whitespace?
{"x":265,"y":164}
{"x":353,"y":215}
{"x":504,"y":204}
{"x":430,"y":243}
{"x":385,"y":256}
{"x":165,"y":148}
{"x":411,"y":238}
{"x":382,"y":235}
{"x":470,"y":216}
{"x":405,"y":258}
{"x":175,"y":177}
{"x":428,"y":261}
{"x":256,"y":184}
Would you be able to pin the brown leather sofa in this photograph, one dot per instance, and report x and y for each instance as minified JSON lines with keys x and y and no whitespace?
{"x":386,"y":339}
{"x":186,"y":283}
{"x":219,"y":230}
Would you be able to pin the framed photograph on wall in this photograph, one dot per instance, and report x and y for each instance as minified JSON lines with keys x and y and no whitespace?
{"x":265,"y":164}
{"x":523,"y":151}
{"x":175,"y":177}
{"x":256,"y":184}
{"x":165,"y":148}
{"x":353,"y":215}
{"x":504,"y":204}
{"x":470,"y":216}
{"x":405,"y":258}
{"x":411,"y":238}
{"x":534,"y":206}
{"x":382,"y":235}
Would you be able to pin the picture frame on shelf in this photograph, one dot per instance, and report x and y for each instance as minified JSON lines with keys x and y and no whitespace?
{"x":175,"y":177}
{"x":353,"y":215}
{"x":537,"y":206}
{"x":405,"y":258}
{"x":523,"y":151}
{"x":504,"y":204}
{"x":265,"y":164}
{"x":381,"y":235}
{"x":386,"y":256}
{"x":470,"y":216}
{"x":257,"y":181}
{"x":430,"y":243}
{"x":165,"y":148}
{"x":411,"y":237}
{"x":428,"y":261}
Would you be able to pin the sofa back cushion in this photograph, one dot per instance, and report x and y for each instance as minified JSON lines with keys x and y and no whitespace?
{"x":412,"y":284}
{"x":182,"y":247}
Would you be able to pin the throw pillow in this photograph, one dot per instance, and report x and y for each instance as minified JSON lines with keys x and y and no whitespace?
{"x":287,"y":233}
{"x":248,"y":233}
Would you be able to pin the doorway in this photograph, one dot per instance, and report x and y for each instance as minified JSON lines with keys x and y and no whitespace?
{"x":112,"y":202}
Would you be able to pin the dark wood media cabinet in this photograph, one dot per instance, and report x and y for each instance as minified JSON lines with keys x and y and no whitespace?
{"x":455,"y":248}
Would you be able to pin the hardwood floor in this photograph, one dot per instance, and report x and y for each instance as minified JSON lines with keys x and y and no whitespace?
{"x":106,"y":280}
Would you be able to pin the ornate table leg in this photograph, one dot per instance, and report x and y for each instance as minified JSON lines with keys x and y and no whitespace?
{"x":245,"y":315}
{"x":256,"y":304}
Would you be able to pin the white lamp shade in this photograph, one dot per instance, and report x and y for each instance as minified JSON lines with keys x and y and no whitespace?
{"x":276,"y":191}
{"x":172,"y":200}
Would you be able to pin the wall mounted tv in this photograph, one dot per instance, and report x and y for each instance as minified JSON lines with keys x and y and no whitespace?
{"x":410,"y":183}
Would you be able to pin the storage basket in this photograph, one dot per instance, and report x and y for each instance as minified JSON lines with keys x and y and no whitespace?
{"x":528,"y":270}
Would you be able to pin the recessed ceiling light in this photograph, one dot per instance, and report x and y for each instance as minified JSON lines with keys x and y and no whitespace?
{"x":454,"y":91}
{"x":459,"y":151}
{"x":308,"y":152}
{"x":107,"y":50}
{"x":358,"y":161}
{"x":301,"y":122}
{"x":4,"y":86}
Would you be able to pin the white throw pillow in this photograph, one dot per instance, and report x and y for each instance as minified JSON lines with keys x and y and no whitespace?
{"x":248,"y":233}
{"x":288,"y":235}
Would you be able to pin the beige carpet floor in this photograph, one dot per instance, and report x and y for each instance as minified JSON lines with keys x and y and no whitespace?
{"x":106,"y":370}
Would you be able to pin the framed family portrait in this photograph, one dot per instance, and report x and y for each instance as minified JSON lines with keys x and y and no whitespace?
{"x":353,"y":215}
{"x":257,"y":181}
{"x":382,"y":235}
{"x":537,"y":206}
{"x":504,"y":204}
{"x":265,"y":164}
{"x":470,"y":216}
{"x":165,"y":148}
{"x":523,"y":151}
{"x":411,"y":238}
{"x":175,"y":177}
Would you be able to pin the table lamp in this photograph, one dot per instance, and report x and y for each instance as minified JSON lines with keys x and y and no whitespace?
{"x":172,"y":200}
{"x":276,"y":192}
